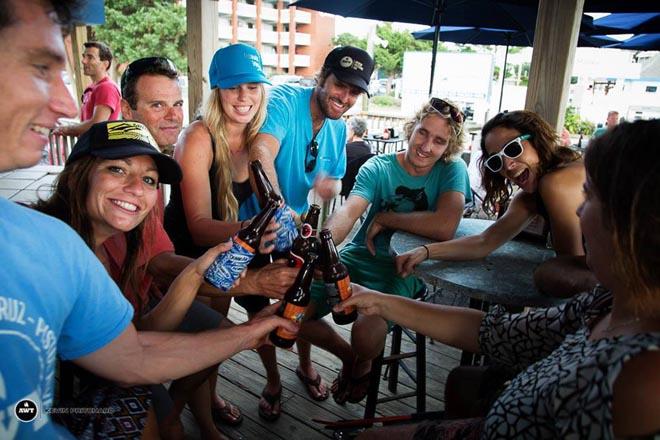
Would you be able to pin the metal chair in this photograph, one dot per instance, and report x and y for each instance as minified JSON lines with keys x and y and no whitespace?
{"x":393,"y":362}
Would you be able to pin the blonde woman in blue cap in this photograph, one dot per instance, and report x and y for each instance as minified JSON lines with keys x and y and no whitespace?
{"x":215,"y":198}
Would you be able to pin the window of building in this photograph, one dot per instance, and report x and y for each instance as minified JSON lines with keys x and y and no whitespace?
{"x":651,"y":89}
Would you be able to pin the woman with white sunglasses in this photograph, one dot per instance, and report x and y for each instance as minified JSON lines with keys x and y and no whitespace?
{"x":521,"y":148}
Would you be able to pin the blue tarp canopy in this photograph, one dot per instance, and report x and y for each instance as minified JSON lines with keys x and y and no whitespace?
{"x":90,"y":13}
{"x":634,"y":23}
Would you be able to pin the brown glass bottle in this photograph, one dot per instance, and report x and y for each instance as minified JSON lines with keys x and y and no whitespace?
{"x":228,"y":266}
{"x":264,"y":189}
{"x":336,"y":279}
{"x":306,"y":241}
{"x":294,"y":304}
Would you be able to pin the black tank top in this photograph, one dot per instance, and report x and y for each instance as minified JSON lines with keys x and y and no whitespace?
{"x":175,"y":217}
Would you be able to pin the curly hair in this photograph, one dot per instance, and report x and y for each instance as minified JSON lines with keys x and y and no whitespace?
{"x":623,"y":168}
{"x":68,"y":202}
{"x":455,"y":147}
{"x":545,"y":141}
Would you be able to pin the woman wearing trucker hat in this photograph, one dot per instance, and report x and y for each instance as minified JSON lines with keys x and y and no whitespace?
{"x":214,"y":198}
{"x":110,"y":186}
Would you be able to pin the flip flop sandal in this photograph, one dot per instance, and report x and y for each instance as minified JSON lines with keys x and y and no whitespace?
{"x":359,"y":388}
{"x":272,"y":400}
{"x":316,"y":383}
{"x":340,"y":389}
{"x":225,"y":415}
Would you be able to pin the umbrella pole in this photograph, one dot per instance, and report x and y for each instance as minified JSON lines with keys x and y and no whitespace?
{"x":436,"y":37}
{"x":506,"y":55}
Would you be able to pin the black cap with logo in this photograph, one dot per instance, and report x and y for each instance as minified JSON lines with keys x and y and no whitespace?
{"x":120,"y":139}
{"x":351,"y":65}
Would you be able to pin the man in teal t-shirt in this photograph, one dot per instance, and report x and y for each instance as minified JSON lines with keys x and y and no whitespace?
{"x":421,"y":190}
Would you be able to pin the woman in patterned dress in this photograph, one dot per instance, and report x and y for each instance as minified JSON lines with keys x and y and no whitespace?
{"x":585,"y":369}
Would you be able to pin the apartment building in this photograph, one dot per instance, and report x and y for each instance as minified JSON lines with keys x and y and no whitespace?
{"x":291,"y":40}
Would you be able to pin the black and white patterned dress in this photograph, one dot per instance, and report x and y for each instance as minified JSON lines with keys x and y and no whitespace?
{"x":565,"y":381}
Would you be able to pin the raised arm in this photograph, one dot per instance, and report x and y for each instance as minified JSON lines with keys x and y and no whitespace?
{"x":455,"y":326}
{"x":341,"y":221}
{"x":154,"y":357}
{"x":518,"y":215}
{"x":265,"y":148}
{"x":194,"y":153}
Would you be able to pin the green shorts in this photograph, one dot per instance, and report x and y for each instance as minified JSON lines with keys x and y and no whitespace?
{"x":374,"y":272}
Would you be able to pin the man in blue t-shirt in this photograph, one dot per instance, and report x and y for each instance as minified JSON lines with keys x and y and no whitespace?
{"x":301,"y":146}
{"x":56,"y":298}
{"x":421,"y":190}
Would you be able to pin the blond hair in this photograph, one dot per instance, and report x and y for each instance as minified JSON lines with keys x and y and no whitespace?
{"x":215,"y":120}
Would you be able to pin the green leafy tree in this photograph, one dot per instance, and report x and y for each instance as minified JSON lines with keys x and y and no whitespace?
{"x":141,"y":28}
{"x":574,"y":123}
{"x":390,"y":59}
{"x":347,"y":39}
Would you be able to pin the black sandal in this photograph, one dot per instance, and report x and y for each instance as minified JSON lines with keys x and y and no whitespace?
{"x":225,"y":415}
{"x":341,"y":389}
{"x":361,"y":384}
{"x":272,"y":400}
{"x":316,"y":383}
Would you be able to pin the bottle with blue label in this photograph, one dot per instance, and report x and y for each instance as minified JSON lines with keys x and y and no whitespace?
{"x":287,"y":231}
{"x":226,"y":269}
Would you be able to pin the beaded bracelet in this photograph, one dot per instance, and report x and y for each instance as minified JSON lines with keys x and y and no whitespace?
{"x":428,"y":253}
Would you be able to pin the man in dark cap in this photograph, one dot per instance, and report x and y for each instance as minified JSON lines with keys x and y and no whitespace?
{"x":301,"y":146}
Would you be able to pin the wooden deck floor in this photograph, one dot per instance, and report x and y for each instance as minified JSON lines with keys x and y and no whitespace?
{"x":242,"y":378}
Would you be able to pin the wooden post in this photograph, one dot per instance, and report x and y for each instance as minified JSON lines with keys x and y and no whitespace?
{"x":78,"y":38}
{"x":202,"y":27}
{"x":555,"y":39}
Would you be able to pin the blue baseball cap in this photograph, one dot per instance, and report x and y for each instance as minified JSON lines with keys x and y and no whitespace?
{"x":236,"y":64}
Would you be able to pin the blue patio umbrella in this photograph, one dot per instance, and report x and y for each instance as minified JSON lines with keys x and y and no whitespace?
{"x":518,"y":15}
{"x":484,"y":13}
{"x":630,"y":23}
{"x":640,"y":42}
{"x":89,"y":12}
{"x":502,"y":37}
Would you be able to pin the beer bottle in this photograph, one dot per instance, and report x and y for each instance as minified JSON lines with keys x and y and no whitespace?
{"x":335,"y":277}
{"x":294,"y":304}
{"x":306,"y":241}
{"x":287,"y":231}
{"x":265,"y":189}
{"x":227,"y":267}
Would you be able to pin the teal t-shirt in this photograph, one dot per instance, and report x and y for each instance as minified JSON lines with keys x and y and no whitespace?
{"x":388,"y":187}
{"x":289,"y":120}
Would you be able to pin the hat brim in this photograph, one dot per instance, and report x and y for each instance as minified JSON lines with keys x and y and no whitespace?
{"x":236,"y":80}
{"x":169,"y":170}
{"x":354,"y":80}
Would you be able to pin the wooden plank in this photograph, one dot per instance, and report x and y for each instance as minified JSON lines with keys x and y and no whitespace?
{"x":202,"y":29}
{"x":552,"y":58}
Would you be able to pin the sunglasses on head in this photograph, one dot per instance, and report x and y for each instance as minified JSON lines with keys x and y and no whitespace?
{"x":512,"y":149}
{"x":447,"y":110}
{"x":313,"y":150}
{"x":146,"y":65}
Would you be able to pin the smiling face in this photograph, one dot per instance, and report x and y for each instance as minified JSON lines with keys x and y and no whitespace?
{"x":523,"y":170}
{"x":121,"y":194}
{"x":31,"y":85}
{"x":335,"y":97}
{"x":159,"y":106}
{"x":428,"y":142}
{"x":241,"y":103}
